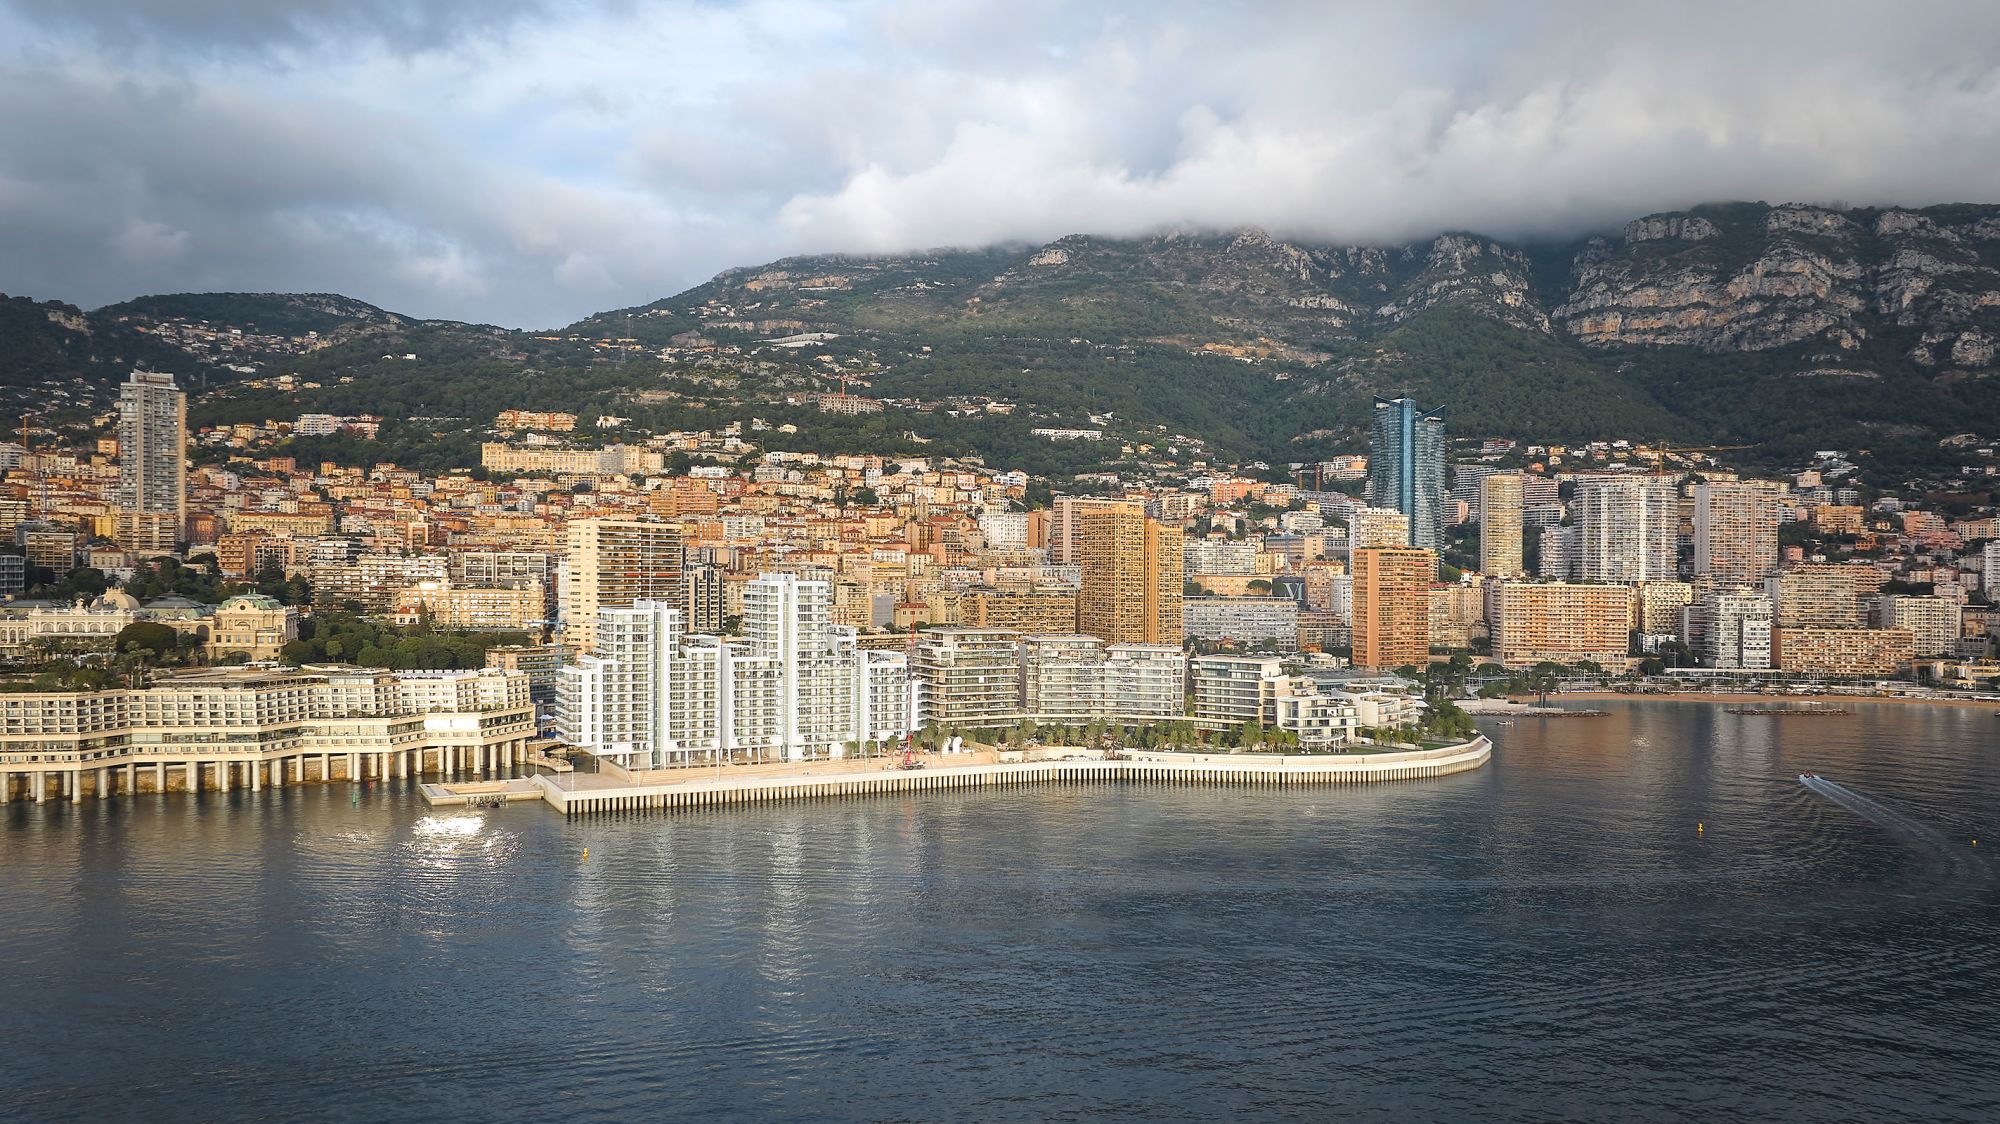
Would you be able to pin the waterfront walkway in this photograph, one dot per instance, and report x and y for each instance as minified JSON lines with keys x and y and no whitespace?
{"x":582,"y":794}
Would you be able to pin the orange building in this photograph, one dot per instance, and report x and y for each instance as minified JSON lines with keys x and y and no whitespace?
{"x":1392,"y":625}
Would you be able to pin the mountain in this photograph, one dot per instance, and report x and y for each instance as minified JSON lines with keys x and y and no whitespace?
{"x":1786,"y":328}
{"x":56,"y":350}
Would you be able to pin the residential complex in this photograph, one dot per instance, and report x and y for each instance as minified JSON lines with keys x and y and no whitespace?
{"x":1500,"y":525}
{"x":1130,"y":568}
{"x":1735,"y":531}
{"x":613,"y":563}
{"x":1563,"y":622}
{"x":796,"y":685}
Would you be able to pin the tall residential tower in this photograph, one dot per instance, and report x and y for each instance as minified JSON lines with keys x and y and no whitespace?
{"x":1500,"y":526}
{"x":1627,"y":528}
{"x":1406,"y":466}
{"x":1130,"y":570}
{"x":152,"y":461}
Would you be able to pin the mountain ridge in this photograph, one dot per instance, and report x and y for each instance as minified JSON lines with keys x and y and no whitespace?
{"x":1787,"y":325}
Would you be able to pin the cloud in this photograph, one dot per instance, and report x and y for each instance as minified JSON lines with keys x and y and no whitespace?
{"x":530,"y":161}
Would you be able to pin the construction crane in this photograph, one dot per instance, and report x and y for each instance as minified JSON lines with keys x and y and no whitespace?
{"x":1658,"y":453}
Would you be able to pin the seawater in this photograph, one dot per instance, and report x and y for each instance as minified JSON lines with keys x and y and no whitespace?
{"x":1549,"y":938}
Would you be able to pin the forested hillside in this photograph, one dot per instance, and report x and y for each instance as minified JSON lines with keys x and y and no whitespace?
{"x":1784,"y":327}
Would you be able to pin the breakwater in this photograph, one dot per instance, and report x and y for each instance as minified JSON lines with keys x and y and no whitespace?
{"x":1139,"y":768}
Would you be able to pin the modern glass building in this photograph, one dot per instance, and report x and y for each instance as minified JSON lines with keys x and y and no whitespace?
{"x":1406,"y":466}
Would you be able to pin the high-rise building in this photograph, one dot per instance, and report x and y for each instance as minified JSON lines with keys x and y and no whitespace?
{"x":1932,"y":622}
{"x":1392,"y":625}
{"x":1377,"y":526}
{"x":1658,"y":605}
{"x":618,"y":562}
{"x":1736,"y":531}
{"x":1843,"y":652}
{"x":1816,"y":595}
{"x":1065,"y":523}
{"x":1557,"y":554}
{"x":1130,"y":570}
{"x":1626,"y":528}
{"x":971,"y":677}
{"x":152,"y":453}
{"x":1561,"y":621}
{"x":1406,"y":466}
{"x":1500,"y":525}
{"x":1990,"y":562}
{"x":1732,"y":630}
{"x":705,"y":600}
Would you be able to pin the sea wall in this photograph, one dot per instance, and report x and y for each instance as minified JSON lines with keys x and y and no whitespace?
{"x":1138,"y":768}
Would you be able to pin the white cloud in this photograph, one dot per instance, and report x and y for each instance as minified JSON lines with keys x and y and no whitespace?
{"x":537,"y":162}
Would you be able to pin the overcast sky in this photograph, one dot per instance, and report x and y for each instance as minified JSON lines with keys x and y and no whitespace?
{"x":527,"y":162}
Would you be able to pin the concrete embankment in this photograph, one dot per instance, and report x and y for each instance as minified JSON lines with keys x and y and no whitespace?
{"x":1138,"y":768}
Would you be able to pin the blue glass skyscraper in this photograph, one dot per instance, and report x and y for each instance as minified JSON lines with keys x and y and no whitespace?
{"x":1406,"y":466}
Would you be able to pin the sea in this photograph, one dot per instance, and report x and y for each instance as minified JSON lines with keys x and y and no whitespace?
{"x":1640,"y":916}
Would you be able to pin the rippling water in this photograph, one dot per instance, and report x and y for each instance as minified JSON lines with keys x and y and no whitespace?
{"x":1547,"y":939}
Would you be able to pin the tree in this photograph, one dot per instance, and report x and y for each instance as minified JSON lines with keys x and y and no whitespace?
{"x":149,"y":640}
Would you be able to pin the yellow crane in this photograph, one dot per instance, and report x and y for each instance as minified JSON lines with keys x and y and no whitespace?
{"x":1658,"y":453}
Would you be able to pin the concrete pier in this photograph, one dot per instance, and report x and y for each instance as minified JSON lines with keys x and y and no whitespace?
{"x":566,"y":796}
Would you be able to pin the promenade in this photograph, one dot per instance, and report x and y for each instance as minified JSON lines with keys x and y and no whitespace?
{"x":586,"y":794}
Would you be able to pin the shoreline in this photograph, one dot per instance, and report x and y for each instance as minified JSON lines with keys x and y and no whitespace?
{"x":1802,"y":702}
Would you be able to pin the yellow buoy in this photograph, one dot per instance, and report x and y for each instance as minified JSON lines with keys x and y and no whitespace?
{"x":586,"y":854}
{"x":1700,"y":828}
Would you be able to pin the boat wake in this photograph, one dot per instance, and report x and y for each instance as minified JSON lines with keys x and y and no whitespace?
{"x":1918,"y":834}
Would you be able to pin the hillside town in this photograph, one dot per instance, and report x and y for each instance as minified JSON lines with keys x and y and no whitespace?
{"x":685,"y":598}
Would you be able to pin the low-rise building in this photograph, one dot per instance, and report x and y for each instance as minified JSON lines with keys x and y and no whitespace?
{"x":253,"y":624}
{"x":1843,"y":653}
{"x":1248,"y":621}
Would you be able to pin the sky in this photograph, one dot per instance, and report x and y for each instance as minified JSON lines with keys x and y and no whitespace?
{"x":528,"y":162}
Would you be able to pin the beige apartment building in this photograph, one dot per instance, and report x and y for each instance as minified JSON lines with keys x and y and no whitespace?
{"x":1842,"y":652}
{"x":616,"y":563}
{"x":1131,"y":570}
{"x":1736,"y":531}
{"x":1656,"y":606}
{"x":1047,"y":611}
{"x":1500,"y":526}
{"x":1816,"y":595}
{"x":1562,"y":622}
{"x":470,"y":608}
{"x":1932,"y":622}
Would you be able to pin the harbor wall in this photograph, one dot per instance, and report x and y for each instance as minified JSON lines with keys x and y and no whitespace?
{"x":1138,"y":768}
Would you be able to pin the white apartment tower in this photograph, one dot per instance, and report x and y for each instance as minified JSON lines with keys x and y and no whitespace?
{"x":1626,"y":528}
{"x":1736,"y":531}
{"x":152,"y":448}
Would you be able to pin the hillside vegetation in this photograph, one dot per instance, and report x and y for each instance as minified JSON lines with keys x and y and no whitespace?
{"x":1785,"y":327}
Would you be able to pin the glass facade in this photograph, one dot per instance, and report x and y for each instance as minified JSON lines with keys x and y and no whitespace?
{"x":1406,"y":466}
